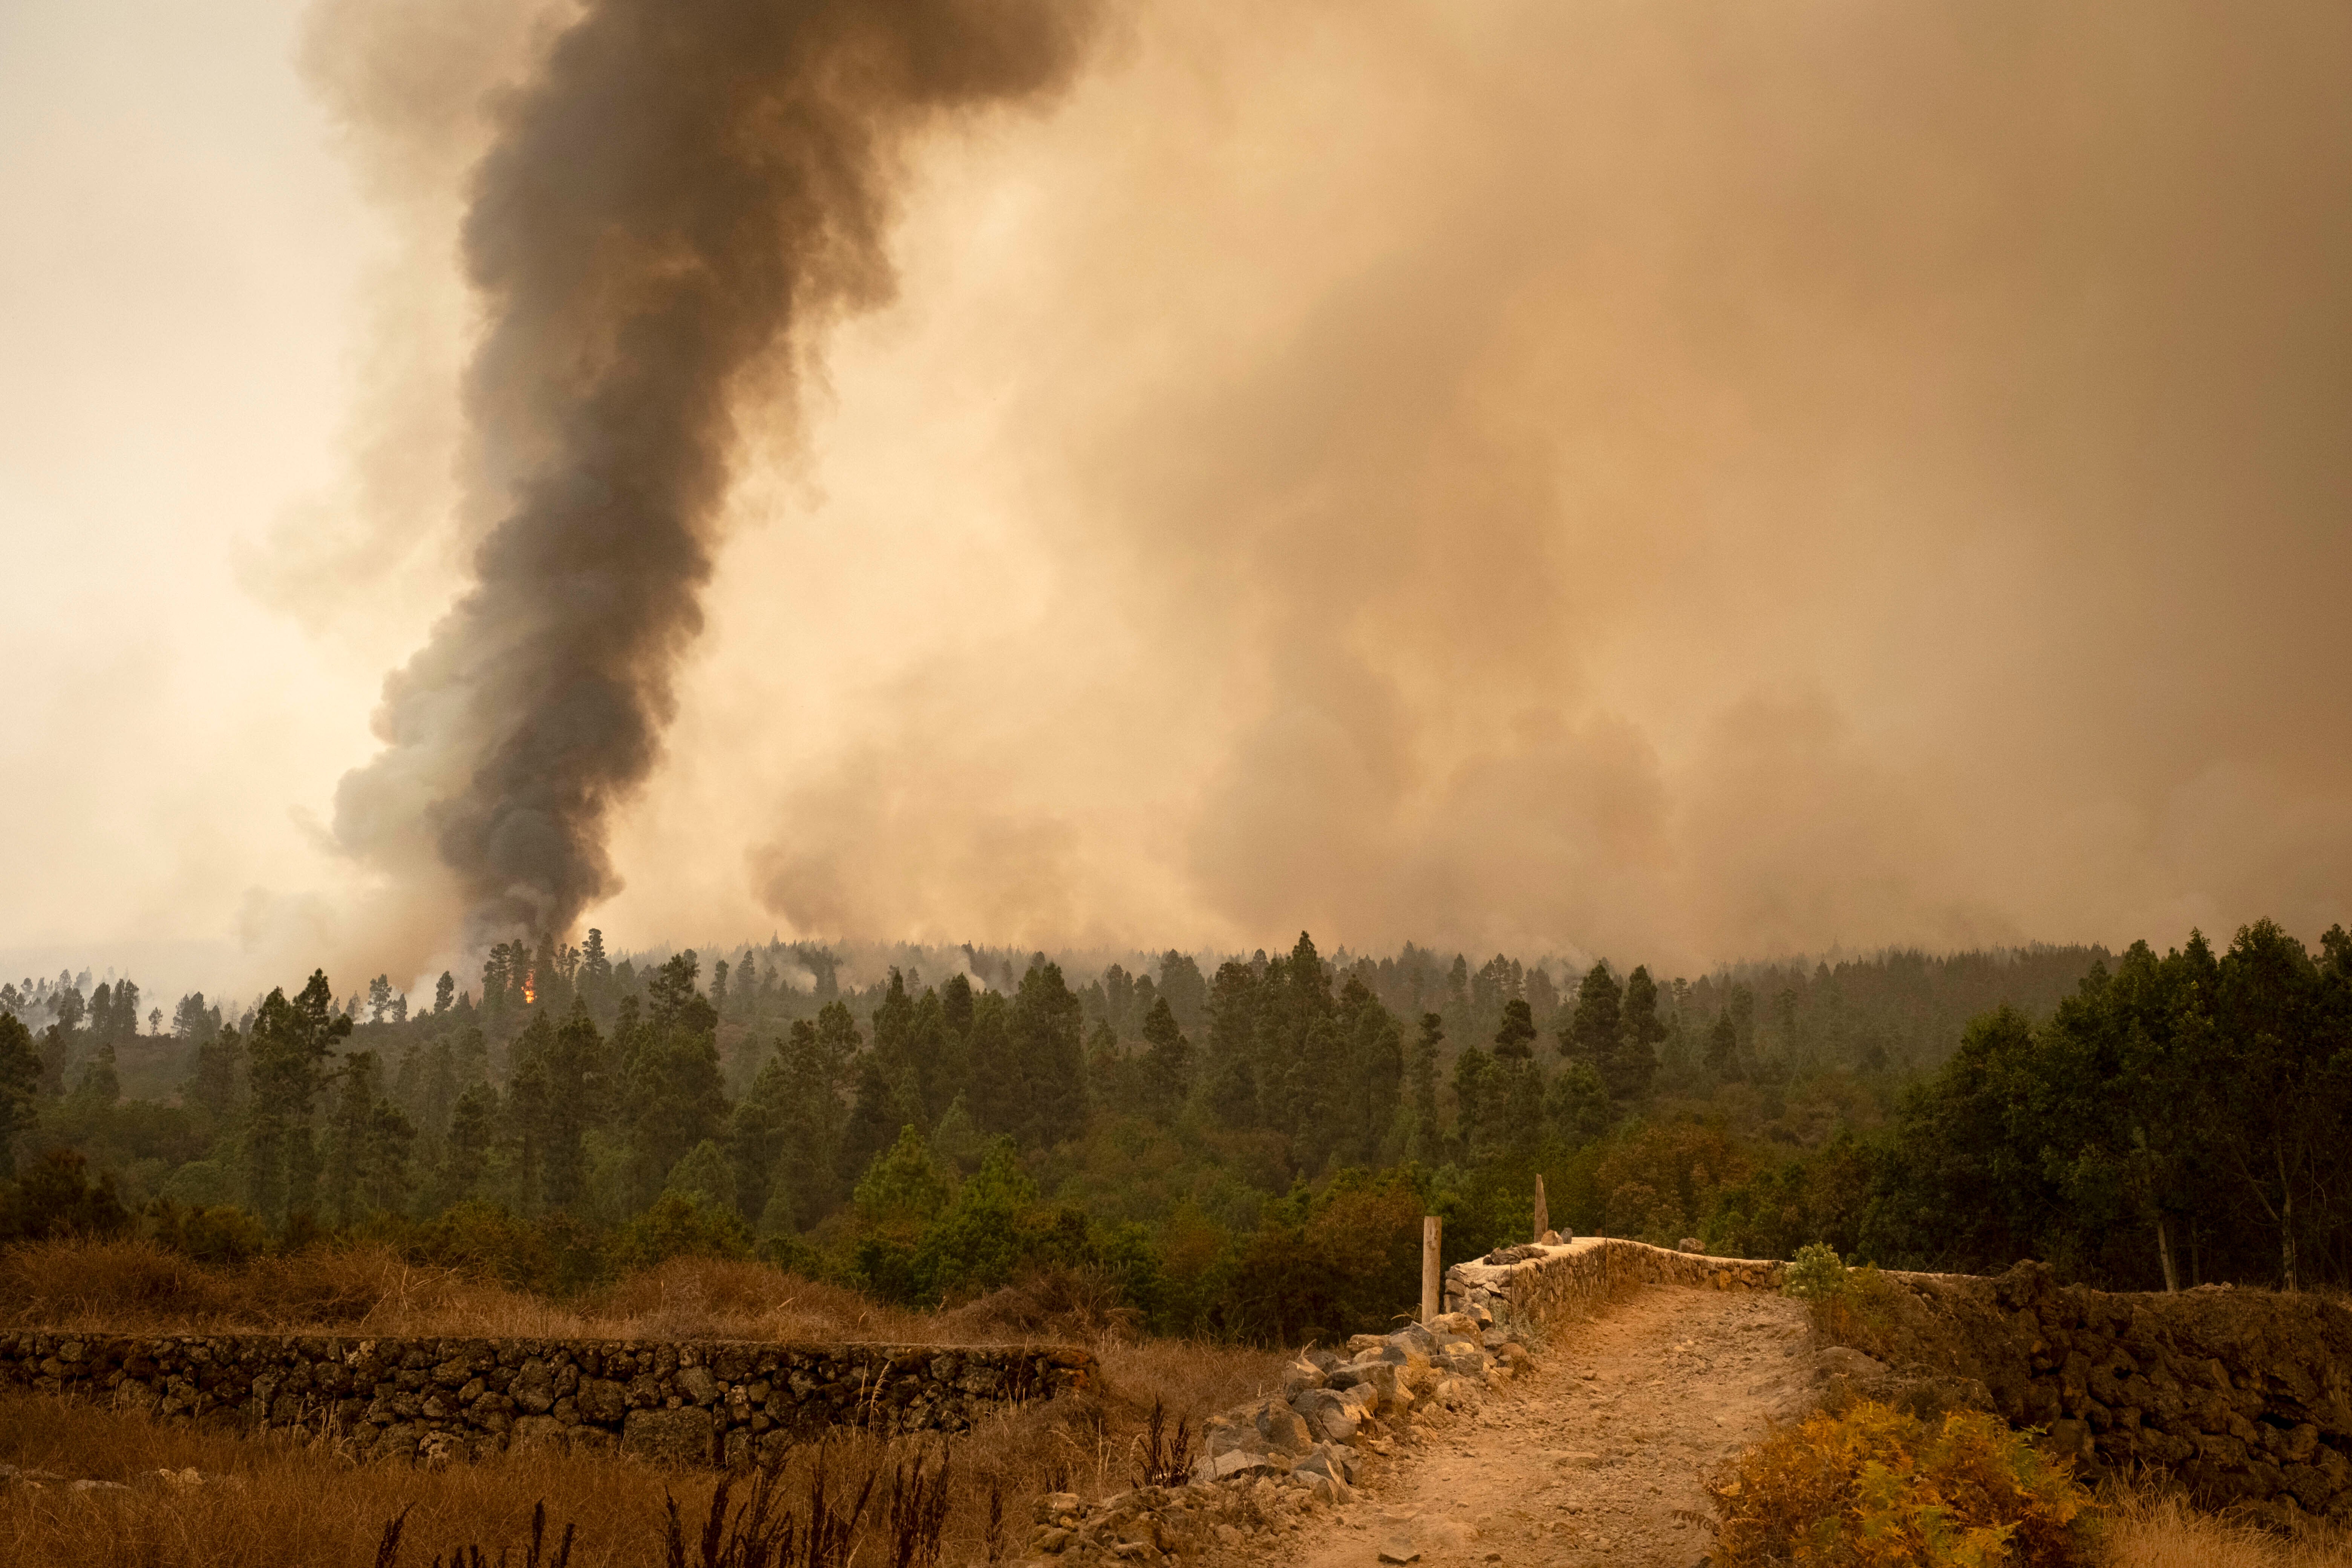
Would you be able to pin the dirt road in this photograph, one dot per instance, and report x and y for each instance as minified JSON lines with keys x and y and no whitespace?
{"x":1596,"y":1456}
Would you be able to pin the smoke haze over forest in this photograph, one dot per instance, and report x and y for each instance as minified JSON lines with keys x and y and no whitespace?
{"x":1664,"y":482}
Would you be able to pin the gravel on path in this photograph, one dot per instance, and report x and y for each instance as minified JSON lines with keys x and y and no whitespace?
{"x":1595,"y":1456}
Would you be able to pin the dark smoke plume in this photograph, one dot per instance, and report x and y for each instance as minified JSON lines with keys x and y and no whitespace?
{"x":685,"y":189}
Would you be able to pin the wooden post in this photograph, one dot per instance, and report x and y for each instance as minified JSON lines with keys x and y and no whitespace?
{"x":1433,"y":1271}
{"x":1543,"y":1213}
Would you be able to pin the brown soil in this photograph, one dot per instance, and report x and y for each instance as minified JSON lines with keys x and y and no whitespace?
{"x":1594,"y":1456}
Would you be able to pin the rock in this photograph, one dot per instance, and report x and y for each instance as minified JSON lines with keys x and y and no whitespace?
{"x":1469,"y":1363}
{"x":1513,"y":1354}
{"x":1283,"y":1430}
{"x":1414,"y":1338}
{"x":1392,"y":1393}
{"x":696,"y":1384}
{"x":1237,"y":1462}
{"x":1299,"y":1375}
{"x":1222,"y":1433}
{"x":99,"y":1487}
{"x":602,"y":1399}
{"x":669,"y":1437}
{"x":1548,"y":1238}
{"x":1691,"y":1244}
{"x":1399,"y":1549}
{"x":1331,"y":1459}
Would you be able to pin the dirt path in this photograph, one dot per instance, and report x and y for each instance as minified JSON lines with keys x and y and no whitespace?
{"x":1596,"y":1456}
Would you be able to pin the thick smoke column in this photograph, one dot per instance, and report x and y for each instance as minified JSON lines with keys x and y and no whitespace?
{"x":687,"y":188}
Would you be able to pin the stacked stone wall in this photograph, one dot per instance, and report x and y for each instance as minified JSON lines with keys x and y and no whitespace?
{"x":2243,"y":1396}
{"x":1533,"y":1291}
{"x":688,"y":1401}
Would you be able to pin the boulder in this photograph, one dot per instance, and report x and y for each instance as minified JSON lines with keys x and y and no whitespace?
{"x":1328,"y":1414}
{"x":1300,"y":1374}
{"x":1283,"y":1430}
{"x":1334,"y":1459}
{"x":602,"y":1399}
{"x":669,"y":1437}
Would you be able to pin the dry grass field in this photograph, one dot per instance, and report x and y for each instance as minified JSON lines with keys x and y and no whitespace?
{"x":136,"y":1287}
{"x":286,"y":1502}
{"x":272,"y":1502}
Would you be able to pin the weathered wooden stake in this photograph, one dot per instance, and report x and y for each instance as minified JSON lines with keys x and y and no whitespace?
{"x":1543,"y":1213}
{"x":1432,"y":1232}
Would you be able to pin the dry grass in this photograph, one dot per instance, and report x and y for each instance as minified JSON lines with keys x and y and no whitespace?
{"x":136,"y":1287}
{"x":286,"y":1503}
{"x":2150,"y":1530}
{"x":280,"y":1502}
{"x":276,"y":1502}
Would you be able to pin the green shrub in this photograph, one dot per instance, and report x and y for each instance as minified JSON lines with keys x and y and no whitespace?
{"x":1874,"y":1488}
{"x":677,"y":1227}
{"x":1852,"y":1307}
{"x":220,"y":1232}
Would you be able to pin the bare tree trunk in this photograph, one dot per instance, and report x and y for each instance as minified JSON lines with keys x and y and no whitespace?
{"x":2286,"y":1224}
{"x":2164,"y":1252}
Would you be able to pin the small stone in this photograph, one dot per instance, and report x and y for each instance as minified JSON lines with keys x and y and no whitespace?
{"x":1399,"y":1549}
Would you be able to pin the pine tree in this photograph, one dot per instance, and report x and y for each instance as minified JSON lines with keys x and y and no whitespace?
{"x":20,"y":1079}
{"x":874,"y":1118}
{"x":1184,"y":991}
{"x":347,"y":1137}
{"x":1634,"y":1067}
{"x":558,"y":1092}
{"x":1475,"y":1121}
{"x":1722,"y":1048}
{"x":936,"y":1054}
{"x":1590,"y":1034}
{"x":286,"y":1068}
{"x":1428,"y":1139}
{"x":1516,"y":1090}
{"x":802,"y":1186}
{"x":1233,"y":1087}
{"x":995,"y":1094}
{"x":473,"y":1128}
{"x":101,"y":1085}
{"x":214,"y":1076}
{"x":1167,"y":1064}
{"x":1050,"y":1059}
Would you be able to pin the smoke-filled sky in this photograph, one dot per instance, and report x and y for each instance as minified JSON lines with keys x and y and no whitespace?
{"x":1677,"y":481}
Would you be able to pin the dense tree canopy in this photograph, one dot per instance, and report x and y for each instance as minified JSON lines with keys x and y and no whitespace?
{"x":1190,"y":1128}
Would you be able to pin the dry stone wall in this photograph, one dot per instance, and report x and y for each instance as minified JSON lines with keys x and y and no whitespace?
{"x":2244,"y":1396}
{"x":1531,"y":1291}
{"x":699,"y":1402}
{"x":2240,"y":1395}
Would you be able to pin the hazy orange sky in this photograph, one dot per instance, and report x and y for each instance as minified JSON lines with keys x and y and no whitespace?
{"x":1677,"y":481}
